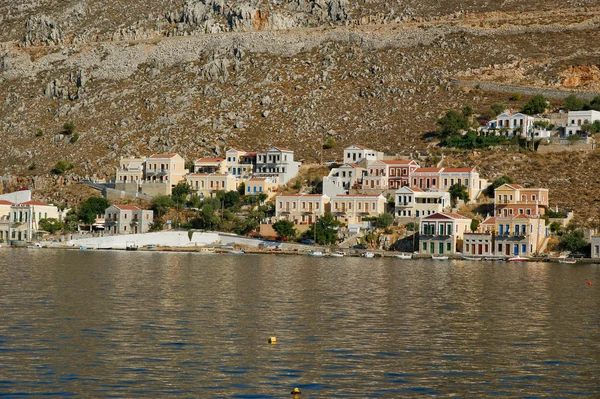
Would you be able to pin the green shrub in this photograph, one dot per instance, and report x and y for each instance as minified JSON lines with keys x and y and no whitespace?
{"x":329,"y":143}
{"x":516,"y":96}
{"x":39,"y":133}
{"x":62,"y":166}
{"x":69,"y":127}
{"x":74,"y":138}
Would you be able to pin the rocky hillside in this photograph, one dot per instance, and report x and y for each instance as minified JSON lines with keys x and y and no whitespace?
{"x":194,"y":77}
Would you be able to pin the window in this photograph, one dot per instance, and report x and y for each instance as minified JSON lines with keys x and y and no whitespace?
{"x":448,"y":246}
{"x":424,"y":245}
{"x":441,"y":247}
{"x":125,"y":216}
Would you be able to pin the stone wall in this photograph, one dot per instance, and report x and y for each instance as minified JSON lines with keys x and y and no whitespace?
{"x":154,"y":189}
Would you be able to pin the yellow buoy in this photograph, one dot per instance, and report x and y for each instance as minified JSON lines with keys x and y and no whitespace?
{"x":273,"y":340}
{"x":296,"y":391}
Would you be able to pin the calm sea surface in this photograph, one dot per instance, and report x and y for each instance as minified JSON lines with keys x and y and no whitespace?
{"x":126,"y":324}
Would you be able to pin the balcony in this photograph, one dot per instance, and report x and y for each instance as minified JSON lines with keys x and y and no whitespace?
{"x":157,"y":172}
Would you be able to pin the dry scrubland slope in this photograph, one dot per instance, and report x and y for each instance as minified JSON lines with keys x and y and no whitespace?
{"x":196,"y":77}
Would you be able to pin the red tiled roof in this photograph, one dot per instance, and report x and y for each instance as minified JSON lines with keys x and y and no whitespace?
{"x":489,"y":220}
{"x":5,"y":202}
{"x":282,"y":149}
{"x":38,"y":203}
{"x":127,"y":207}
{"x":210,"y":159}
{"x":357,"y":195}
{"x":427,"y":170}
{"x":515,"y":186}
{"x":300,"y":195}
{"x":397,"y":162}
{"x":207,"y":174}
{"x":458,"y":170}
{"x":258,"y":179}
{"x":163,"y":156}
{"x":445,"y":215}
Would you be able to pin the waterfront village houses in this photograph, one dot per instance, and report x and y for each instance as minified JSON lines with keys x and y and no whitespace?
{"x":301,"y":208}
{"x":240,"y":163}
{"x":519,"y":235}
{"x":389,"y":174}
{"x":207,"y":184}
{"x":576,"y":119}
{"x":155,"y":175}
{"x":277,"y":161}
{"x":210,"y":165}
{"x":357,"y":153}
{"x":513,"y":199}
{"x":478,"y":244}
{"x":127,"y":219}
{"x":266,"y":185}
{"x":441,"y":179}
{"x":23,"y":220}
{"x":341,"y":179}
{"x":351,"y":209}
{"x":4,"y":218}
{"x":412,"y":202}
{"x":442,"y":233}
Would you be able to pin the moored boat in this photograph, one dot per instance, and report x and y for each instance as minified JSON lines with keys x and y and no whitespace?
{"x":567,"y":261}
{"x":318,"y":254}
{"x":236,"y":252}
{"x":403,"y":256}
{"x":368,"y":255}
{"x":337,"y":254}
{"x":439,"y":257}
{"x":470,"y":258}
{"x":205,"y":250}
{"x":35,"y":246}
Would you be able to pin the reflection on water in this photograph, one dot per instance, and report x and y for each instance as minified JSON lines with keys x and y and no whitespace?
{"x":123,"y":324}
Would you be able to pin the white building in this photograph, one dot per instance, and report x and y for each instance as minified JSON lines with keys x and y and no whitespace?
{"x":24,"y":219}
{"x":412,"y":202}
{"x":442,"y":233}
{"x":507,"y":124}
{"x":357,"y":153}
{"x":240,"y":163}
{"x":576,"y":119}
{"x":340,"y":180}
{"x":277,"y":161}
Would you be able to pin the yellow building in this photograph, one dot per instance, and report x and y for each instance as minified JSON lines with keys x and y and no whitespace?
{"x":512,"y":200}
{"x":301,"y":208}
{"x":266,"y":185}
{"x":351,"y":209}
{"x":520,"y":235}
{"x":207,"y":184}
{"x":210,"y":165}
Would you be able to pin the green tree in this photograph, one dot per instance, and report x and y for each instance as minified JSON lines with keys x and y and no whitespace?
{"x":285,"y":229}
{"x":573,"y":241}
{"x":595,"y":103}
{"x":180,"y":192}
{"x":262,"y":197}
{"x":452,"y":123}
{"x":412,"y":226}
{"x":385,"y":220}
{"x":474,"y":225}
{"x":62,"y":166}
{"x":572,"y":103}
{"x":156,"y":225}
{"x":161,"y":204}
{"x":206,"y":219}
{"x":516,"y":96}
{"x":536,"y":105}
{"x":329,"y":143}
{"x":467,"y":111}
{"x":326,"y":229}
{"x":458,"y":191}
{"x":69,"y":127}
{"x":51,"y":225}
{"x":230,"y":199}
{"x":499,"y":182}
{"x":90,"y":208}
{"x":242,"y":189}
{"x":195,"y":201}
{"x":39,"y":133}
{"x":498,"y":108}
{"x":554,"y":227}
{"x":71,"y":222}
{"x":74,"y":138}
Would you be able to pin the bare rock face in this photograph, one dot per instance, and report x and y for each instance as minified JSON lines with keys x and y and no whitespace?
{"x":42,"y":30}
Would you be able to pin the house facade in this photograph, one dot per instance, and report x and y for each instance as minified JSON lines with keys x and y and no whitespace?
{"x":478,"y":244}
{"x":427,"y":179}
{"x":240,"y":163}
{"x":262,"y":185}
{"x":341,"y":179}
{"x":512,"y":200}
{"x":388,"y":174}
{"x":520,"y":235}
{"x":127,"y":219}
{"x":412,"y":202}
{"x":351,"y":209}
{"x":595,"y":246}
{"x":468,"y":177}
{"x":301,"y":208}
{"x":508,"y":124}
{"x":130,"y":174}
{"x":209,"y":165}
{"x":278,"y":161}
{"x":162,"y":172}
{"x":442,"y":233}
{"x":577,"y":119}
{"x":24,"y":219}
{"x":207,"y":184}
{"x":357,"y":153}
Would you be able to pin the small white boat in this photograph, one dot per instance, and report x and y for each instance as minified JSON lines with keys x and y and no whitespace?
{"x":205,"y":250}
{"x":439,"y":257}
{"x":403,"y":256}
{"x":470,"y":258}
{"x":318,"y":254}
{"x":235,"y":252}
{"x":368,"y":255}
{"x":83,"y":248}
{"x":35,"y":246}
{"x":337,"y":254}
{"x":490,"y":259}
{"x":567,"y":261}
{"x":517,"y":259}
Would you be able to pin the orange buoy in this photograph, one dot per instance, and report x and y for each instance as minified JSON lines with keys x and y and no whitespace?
{"x":589,"y":283}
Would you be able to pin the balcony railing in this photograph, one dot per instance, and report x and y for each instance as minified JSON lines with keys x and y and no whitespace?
{"x":513,"y":202}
